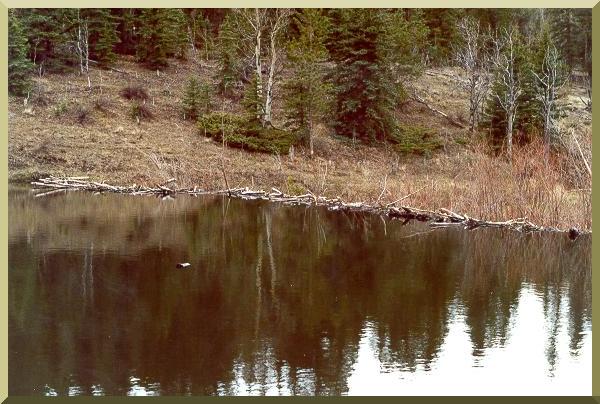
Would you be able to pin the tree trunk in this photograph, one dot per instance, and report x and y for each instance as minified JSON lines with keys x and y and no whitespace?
{"x":474,"y":106}
{"x":269,"y":90}
{"x":547,"y":128}
{"x":310,"y":136}
{"x":509,"y":134}
{"x":83,"y":47}
{"x":258,"y":65}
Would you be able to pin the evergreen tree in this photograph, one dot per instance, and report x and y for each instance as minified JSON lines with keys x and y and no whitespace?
{"x":102,"y":34}
{"x":127,"y":28}
{"x":162,"y":34}
{"x":19,"y":66}
{"x":49,"y":33}
{"x":306,"y":92}
{"x":528,"y":121}
{"x":196,"y":99}
{"x":571,"y":32}
{"x":252,"y":102}
{"x":441,"y":24}
{"x":373,"y":50}
{"x":199,"y":32}
{"x":564,"y":30}
{"x":358,"y":80}
{"x":227,"y":56}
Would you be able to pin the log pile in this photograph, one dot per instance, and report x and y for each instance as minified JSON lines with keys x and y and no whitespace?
{"x":436,"y":219}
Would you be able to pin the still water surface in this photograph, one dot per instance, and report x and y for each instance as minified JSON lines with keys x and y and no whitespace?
{"x":285,"y":300}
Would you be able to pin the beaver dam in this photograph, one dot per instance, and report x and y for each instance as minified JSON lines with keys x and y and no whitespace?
{"x":282,"y":299}
{"x":393,"y":210}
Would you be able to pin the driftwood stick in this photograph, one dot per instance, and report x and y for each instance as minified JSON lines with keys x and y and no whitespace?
{"x":407,"y":196}
{"x":55,"y":191}
{"x":225,"y":177}
{"x":587,"y":166}
{"x":383,"y":190}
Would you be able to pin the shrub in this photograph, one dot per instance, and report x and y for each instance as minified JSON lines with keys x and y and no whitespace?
{"x":39,"y":96}
{"x":60,"y":108}
{"x":213,"y":124}
{"x":140,"y":111}
{"x":19,"y":66}
{"x":134,"y":93}
{"x":41,"y":100}
{"x":416,"y":139}
{"x":463,"y":141}
{"x":294,"y":188}
{"x":245,"y":134}
{"x":101,"y":104}
{"x":82,"y":115}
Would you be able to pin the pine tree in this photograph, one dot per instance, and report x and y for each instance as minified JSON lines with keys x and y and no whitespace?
{"x":528,"y":120}
{"x":196,"y":99}
{"x":571,"y":32}
{"x":162,"y":34}
{"x":584,"y":18}
{"x":441,"y":24}
{"x":227,"y":56}
{"x":176,"y":34}
{"x":19,"y":66}
{"x":199,"y":32}
{"x":353,"y":46}
{"x":253,"y":103}
{"x":374,"y":50}
{"x":127,"y":28}
{"x":49,"y":33}
{"x":102,"y":35}
{"x":306,"y":92}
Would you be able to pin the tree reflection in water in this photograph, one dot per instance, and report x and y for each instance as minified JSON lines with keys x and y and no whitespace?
{"x":282,"y":300}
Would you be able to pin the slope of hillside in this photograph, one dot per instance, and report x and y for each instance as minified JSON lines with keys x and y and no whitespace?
{"x":67,"y":129}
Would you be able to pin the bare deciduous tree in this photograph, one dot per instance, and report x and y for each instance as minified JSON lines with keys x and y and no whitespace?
{"x":254,"y":23}
{"x":278,"y":22}
{"x":509,"y":85}
{"x":82,"y":46}
{"x":549,"y":80}
{"x":474,"y":61}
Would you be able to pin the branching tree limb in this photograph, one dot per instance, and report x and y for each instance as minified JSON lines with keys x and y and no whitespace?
{"x":509,"y":85}
{"x":473,"y":59}
{"x":549,"y":81}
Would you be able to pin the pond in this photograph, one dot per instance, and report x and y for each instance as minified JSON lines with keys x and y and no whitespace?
{"x":285,"y":300}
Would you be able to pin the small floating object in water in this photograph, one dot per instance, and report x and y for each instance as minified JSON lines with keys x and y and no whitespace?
{"x":184,"y":265}
{"x":574,"y":233}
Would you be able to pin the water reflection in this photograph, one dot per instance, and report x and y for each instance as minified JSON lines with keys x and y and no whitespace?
{"x":285,"y":300}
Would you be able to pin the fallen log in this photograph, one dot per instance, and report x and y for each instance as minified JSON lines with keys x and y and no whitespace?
{"x":437,"y":219}
{"x":454,"y":122}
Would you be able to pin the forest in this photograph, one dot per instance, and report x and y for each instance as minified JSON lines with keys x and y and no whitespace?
{"x":483,"y":110}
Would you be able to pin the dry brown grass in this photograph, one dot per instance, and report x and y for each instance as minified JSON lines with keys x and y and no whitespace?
{"x":113,"y":147}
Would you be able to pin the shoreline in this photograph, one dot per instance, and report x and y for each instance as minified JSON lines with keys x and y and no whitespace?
{"x":436,"y":219}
